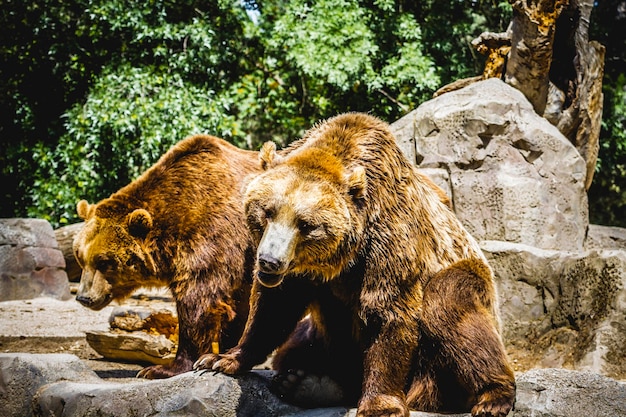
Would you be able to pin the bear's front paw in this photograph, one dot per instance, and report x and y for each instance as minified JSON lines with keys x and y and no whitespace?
{"x":382,"y":406}
{"x":229,"y":364}
{"x":497,"y":402}
{"x":206,"y":362}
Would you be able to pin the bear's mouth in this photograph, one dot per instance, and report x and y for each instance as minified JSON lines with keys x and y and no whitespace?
{"x":269,"y":280}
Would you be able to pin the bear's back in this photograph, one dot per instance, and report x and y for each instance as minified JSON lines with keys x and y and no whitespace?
{"x":193,"y":188}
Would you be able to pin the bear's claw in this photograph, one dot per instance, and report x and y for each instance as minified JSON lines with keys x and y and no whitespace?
{"x":206,"y":362}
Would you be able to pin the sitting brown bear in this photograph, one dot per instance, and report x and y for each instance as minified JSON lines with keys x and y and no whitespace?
{"x":181,"y":225}
{"x":400,"y":304}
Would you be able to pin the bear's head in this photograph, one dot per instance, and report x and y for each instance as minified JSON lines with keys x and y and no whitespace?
{"x":111,"y":251}
{"x":303,"y":214}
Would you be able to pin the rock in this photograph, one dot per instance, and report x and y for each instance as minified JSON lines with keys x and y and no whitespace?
{"x":22,"y":374}
{"x":512,"y":175}
{"x":564,"y":393}
{"x":606,"y":237}
{"x":562,"y":309}
{"x":57,"y":385}
{"x":189,"y":394}
{"x":161,"y":321}
{"x":65,"y":239}
{"x":31,"y":265}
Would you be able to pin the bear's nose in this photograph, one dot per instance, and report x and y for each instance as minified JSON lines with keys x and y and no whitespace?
{"x":84,"y":300}
{"x":269,"y":264}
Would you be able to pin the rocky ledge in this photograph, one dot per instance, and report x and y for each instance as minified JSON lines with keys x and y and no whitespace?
{"x":62,"y":385}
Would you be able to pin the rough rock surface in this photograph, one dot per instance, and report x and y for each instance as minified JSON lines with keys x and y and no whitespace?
{"x":562,"y":309}
{"x":512,"y":175}
{"x":605,"y":237}
{"x":55,"y":385}
{"x":564,"y":393}
{"x":137,"y":346}
{"x":31,"y":264}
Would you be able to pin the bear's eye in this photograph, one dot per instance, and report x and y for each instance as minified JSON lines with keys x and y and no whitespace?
{"x":105,"y":264}
{"x":269,"y":213}
{"x":305,"y":227}
{"x":133,"y":260}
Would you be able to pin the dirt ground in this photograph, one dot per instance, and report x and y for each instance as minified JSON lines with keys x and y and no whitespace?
{"x":46,"y":325}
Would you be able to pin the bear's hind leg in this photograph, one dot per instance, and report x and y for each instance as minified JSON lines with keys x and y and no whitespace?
{"x":457,"y":314}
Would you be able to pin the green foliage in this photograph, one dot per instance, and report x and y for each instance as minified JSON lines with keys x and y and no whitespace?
{"x":329,"y":40}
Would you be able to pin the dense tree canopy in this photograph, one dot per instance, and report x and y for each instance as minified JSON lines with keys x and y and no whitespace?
{"x":94,"y":91}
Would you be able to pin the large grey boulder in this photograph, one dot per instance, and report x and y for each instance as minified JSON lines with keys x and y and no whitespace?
{"x":518,"y":186}
{"x":188,"y":394}
{"x":512,"y":175}
{"x":31,"y":264}
{"x":562,"y":309}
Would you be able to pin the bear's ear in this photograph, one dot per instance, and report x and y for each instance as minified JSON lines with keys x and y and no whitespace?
{"x":139,"y":223}
{"x":84,"y":209}
{"x":357,"y":183}
{"x":268,"y":156}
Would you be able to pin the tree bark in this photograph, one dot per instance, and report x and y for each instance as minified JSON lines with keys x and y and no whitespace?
{"x":577,"y":71}
{"x":532,"y":39}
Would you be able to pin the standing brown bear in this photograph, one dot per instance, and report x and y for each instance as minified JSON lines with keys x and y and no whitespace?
{"x":400,"y":301}
{"x":181,"y":225}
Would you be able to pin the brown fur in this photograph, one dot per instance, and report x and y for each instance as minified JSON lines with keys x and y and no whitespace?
{"x":181,"y":225}
{"x":401,"y":303}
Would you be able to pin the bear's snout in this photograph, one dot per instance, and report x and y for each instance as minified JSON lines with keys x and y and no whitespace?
{"x":92,"y":303}
{"x":276,"y":250}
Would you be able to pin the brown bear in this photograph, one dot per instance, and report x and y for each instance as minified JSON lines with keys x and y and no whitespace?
{"x":181,"y":225}
{"x":398,"y":301}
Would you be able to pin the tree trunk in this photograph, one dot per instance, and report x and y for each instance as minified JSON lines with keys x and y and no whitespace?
{"x":577,"y":71}
{"x":532,"y":39}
